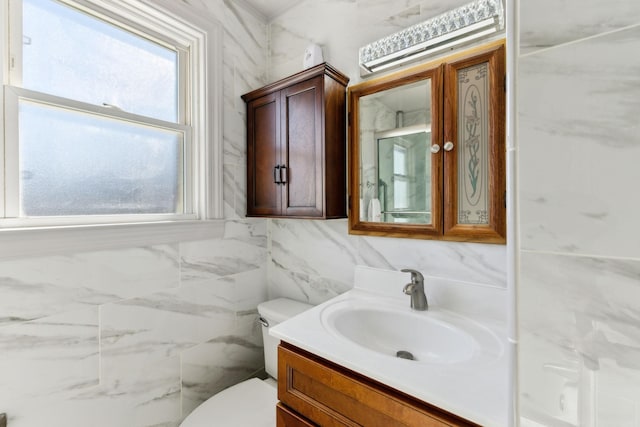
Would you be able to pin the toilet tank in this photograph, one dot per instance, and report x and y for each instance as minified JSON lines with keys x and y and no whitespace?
{"x":271,"y":313}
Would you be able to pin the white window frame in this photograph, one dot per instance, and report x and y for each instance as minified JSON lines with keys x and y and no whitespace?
{"x":202,"y":109}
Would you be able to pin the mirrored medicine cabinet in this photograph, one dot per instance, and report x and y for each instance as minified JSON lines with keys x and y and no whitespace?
{"x":427,"y":150}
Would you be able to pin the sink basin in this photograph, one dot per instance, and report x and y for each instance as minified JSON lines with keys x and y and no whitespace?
{"x":433,"y":336}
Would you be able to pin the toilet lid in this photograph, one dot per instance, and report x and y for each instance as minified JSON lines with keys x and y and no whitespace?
{"x":250,"y":403}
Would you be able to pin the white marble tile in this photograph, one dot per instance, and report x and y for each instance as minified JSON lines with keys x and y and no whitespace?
{"x":38,"y":287}
{"x":67,"y":411}
{"x":617,"y":395}
{"x":139,"y":330}
{"x":313,"y":261}
{"x":57,"y":380}
{"x":148,"y":397}
{"x":50,"y":355}
{"x":303,"y":287}
{"x":465,"y":262}
{"x":235,"y":141}
{"x":230,"y":185}
{"x":490,"y":302}
{"x":548,"y":380}
{"x":558,"y":389}
{"x":250,"y":289}
{"x":252,"y":230}
{"x":590,"y":304}
{"x":236,"y":188}
{"x":163,"y":324}
{"x":243,"y":248}
{"x":578,"y":143}
{"x":230,"y":358}
{"x":546,"y":23}
{"x":213,"y":8}
{"x":246,"y":35}
{"x":215,"y":365}
{"x":249,"y":327}
{"x":241,"y":193}
{"x":154,"y":391}
{"x":579,"y":333}
{"x":244,"y":70}
{"x":314,"y":247}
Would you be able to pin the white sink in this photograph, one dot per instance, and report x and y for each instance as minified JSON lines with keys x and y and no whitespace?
{"x":432,"y":336}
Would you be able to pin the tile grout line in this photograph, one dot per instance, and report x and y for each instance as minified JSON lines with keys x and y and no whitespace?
{"x":569,"y":43}
{"x":100,"y":383}
{"x":570,"y":254}
{"x":181,"y":388}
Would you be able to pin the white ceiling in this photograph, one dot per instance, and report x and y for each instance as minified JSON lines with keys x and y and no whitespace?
{"x":271,"y":8}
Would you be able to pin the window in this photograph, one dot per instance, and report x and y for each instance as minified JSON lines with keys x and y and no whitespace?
{"x":400,"y":178}
{"x":105,"y":115}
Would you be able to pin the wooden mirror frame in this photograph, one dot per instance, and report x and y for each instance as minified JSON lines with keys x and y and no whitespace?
{"x":495,"y":231}
{"x":444,"y":224}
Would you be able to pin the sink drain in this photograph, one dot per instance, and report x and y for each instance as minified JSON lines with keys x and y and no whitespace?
{"x":402,"y":354}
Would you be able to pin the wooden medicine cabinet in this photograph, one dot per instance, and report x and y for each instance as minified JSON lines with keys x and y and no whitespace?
{"x":427,"y":150}
{"x":296,"y":146}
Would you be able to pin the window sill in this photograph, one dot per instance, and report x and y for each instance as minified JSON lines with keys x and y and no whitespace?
{"x":40,"y":241}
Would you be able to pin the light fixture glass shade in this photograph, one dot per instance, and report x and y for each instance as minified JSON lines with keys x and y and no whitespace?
{"x":457,"y":26}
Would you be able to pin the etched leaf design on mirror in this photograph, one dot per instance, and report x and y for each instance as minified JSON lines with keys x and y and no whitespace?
{"x":473,"y":167}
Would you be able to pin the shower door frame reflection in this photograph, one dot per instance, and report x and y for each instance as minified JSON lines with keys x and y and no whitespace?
{"x":411,"y":211}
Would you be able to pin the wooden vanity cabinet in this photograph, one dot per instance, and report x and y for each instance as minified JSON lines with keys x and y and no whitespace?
{"x":315,"y":392}
{"x":296,"y":146}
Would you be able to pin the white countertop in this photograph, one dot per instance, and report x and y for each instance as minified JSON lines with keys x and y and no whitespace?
{"x":474,"y":389}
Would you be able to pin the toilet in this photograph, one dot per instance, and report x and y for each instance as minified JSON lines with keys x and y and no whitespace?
{"x":252,"y":402}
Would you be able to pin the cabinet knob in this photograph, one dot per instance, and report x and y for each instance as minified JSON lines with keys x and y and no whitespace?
{"x":435,"y":148}
{"x":283,"y":174}
{"x":448,"y":146}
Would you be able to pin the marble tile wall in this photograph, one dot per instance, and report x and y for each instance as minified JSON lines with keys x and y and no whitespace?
{"x":314,"y":260}
{"x":579,"y":305}
{"x":141,"y":336}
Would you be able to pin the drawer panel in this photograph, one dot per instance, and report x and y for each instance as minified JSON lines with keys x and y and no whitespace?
{"x":330,"y":395}
{"x":286,"y":418}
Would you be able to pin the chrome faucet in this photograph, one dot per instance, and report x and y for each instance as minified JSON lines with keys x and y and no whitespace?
{"x":416,"y":290}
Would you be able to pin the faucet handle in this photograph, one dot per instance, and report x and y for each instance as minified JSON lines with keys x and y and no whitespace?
{"x":416,"y":276}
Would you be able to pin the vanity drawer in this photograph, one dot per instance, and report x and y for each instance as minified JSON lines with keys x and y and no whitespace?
{"x":330,"y":395}
{"x":287,"y":418}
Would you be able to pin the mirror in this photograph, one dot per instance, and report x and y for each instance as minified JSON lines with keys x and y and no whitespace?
{"x":395,"y":136}
{"x":395,"y":124}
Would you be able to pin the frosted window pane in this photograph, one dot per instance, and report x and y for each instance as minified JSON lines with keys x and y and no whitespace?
{"x":399,"y":160}
{"x":400,"y":196}
{"x":73,"y":55}
{"x":78,"y":164}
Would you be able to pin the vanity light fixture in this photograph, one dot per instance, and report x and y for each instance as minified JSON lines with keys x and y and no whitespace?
{"x":461,"y":25}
